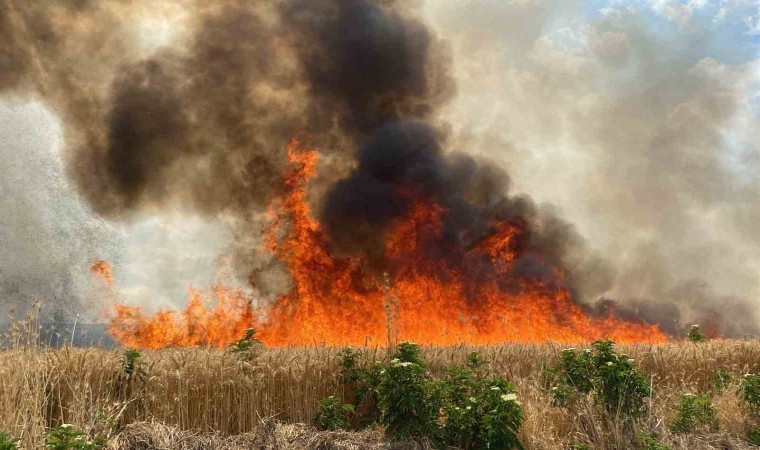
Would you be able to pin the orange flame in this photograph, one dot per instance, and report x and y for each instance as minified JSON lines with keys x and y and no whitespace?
{"x":342,"y":301}
{"x":102,"y":269}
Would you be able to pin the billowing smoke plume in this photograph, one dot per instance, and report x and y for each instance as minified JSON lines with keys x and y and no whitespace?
{"x":639,"y":122}
{"x":201,"y":124}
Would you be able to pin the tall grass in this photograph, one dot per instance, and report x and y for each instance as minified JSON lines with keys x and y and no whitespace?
{"x":217,"y":391}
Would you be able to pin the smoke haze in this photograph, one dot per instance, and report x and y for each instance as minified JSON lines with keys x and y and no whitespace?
{"x":643,"y":140}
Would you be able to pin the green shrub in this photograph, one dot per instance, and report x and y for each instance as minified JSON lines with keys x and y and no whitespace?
{"x":131,"y":365}
{"x":722,"y":379}
{"x":248,"y":345}
{"x":579,"y":447}
{"x":695,"y":335}
{"x":616,"y":382}
{"x":467,"y":408}
{"x":332,"y":414}
{"x":754,"y":436}
{"x":66,"y":437}
{"x":695,"y":411}
{"x":7,"y":442}
{"x":363,"y":383}
{"x":750,"y":391}
{"x":402,"y":394}
{"x":647,"y":441}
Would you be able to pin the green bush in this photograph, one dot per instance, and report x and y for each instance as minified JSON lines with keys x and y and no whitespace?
{"x":332,"y":414}
{"x":750,"y":391}
{"x":7,"y":442}
{"x":754,"y":436}
{"x":723,"y":379}
{"x":66,"y":437}
{"x":695,"y":335}
{"x":647,"y":441}
{"x":616,"y":382}
{"x":579,"y":447}
{"x":467,"y":408}
{"x":248,"y":345}
{"x":402,"y":394}
{"x":695,"y":411}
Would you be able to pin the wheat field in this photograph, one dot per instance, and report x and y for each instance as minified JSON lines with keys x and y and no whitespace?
{"x":214,"y":399}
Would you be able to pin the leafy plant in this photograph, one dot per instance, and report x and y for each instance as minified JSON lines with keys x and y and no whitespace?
{"x":647,"y":441}
{"x":694,"y":335}
{"x":695,"y":411}
{"x":131,"y":365}
{"x":246,"y":344}
{"x":750,"y":391}
{"x":467,"y":408}
{"x":579,"y":447}
{"x":402,"y":396}
{"x":616,"y":382}
{"x":723,"y":379}
{"x":7,"y":442}
{"x":332,"y":414}
{"x":66,"y":437}
{"x":754,"y":436}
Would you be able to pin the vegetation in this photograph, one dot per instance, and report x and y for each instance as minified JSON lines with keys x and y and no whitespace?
{"x":647,"y":441}
{"x":129,"y":396}
{"x":7,"y":442}
{"x":695,"y":335}
{"x":66,"y":437}
{"x":613,"y":378}
{"x":332,"y":414}
{"x":695,"y":411}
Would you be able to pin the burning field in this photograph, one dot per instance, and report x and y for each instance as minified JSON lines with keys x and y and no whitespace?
{"x":415,"y":210}
{"x":434,"y":290}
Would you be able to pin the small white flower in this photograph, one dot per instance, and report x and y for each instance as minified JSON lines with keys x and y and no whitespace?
{"x":67,"y":425}
{"x":509,"y":397}
{"x":495,"y":388}
{"x":382,"y":371}
{"x":586,"y":350}
{"x":394,"y":361}
{"x":609,"y":363}
{"x":469,"y":408}
{"x":554,"y":388}
{"x":472,"y":400}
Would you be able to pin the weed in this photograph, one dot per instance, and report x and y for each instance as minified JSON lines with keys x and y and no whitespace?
{"x":66,"y":437}
{"x":750,"y":391}
{"x":722,"y":380}
{"x":579,"y":447}
{"x":694,"y":335}
{"x":754,"y":436}
{"x":332,"y":414}
{"x":248,"y":344}
{"x":647,"y":441}
{"x":695,"y":411}
{"x":7,"y":442}
{"x":401,"y":392}
{"x":616,"y":382}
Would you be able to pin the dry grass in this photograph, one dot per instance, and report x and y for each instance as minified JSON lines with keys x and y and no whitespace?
{"x":210,"y":394}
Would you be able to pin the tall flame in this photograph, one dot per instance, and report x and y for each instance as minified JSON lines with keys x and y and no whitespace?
{"x":430,"y":294}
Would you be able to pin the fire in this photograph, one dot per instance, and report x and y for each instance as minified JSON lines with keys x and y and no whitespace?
{"x":430,"y":293}
{"x":102,"y":270}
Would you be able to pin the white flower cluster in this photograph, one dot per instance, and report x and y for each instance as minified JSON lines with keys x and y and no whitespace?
{"x":397,"y":363}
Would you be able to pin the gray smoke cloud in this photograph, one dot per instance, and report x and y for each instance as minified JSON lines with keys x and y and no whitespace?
{"x":642,"y":139}
{"x":638,"y":121}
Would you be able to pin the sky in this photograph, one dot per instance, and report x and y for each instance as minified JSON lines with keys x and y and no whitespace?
{"x":636,"y":121}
